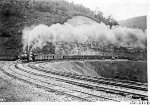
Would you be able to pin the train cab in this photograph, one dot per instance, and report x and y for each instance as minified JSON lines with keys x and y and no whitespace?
{"x":23,"y":56}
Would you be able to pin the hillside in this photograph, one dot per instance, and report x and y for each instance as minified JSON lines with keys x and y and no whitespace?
{"x":15,"y":15}
{"x":137,"y":22}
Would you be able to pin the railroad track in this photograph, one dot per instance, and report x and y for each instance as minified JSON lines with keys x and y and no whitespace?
{"x":102,"y":80}
{"x":75,"y":93}
{"x":126,"y":82}
{"x":123,"y":93}
{"x":62,"y":80}
{"x":46,"y":86}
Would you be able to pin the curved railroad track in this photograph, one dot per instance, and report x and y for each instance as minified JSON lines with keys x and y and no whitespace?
{"x":48,"y":86}
{"x":101,"y":80}
{"x":133,"y":84}
{"x":119,"y":91}
{"x":77,"y":87}
{"x":91,"y":86}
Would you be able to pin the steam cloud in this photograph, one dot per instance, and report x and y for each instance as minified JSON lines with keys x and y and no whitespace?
{"x":81,"y":29}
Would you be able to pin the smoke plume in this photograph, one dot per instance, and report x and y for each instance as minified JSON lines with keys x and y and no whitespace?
{"x":81,"y":29}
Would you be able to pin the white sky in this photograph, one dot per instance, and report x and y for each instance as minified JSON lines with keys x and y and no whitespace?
{"x":119,"y":9}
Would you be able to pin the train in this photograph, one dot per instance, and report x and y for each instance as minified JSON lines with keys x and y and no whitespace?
{"x":44,"y":57}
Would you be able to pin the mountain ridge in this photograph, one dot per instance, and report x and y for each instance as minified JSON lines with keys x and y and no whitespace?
{"x":135,"y":22}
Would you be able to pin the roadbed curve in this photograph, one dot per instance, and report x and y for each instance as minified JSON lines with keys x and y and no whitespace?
{"x":133,"y":90}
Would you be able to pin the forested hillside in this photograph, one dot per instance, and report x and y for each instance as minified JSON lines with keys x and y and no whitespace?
{"x":137,"y":22}
{"x":15,"y":15}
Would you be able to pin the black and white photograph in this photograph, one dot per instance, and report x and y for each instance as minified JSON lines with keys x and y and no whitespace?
{"x":74,"y":51}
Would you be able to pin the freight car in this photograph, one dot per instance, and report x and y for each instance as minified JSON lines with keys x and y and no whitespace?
{"x":73,"y":57}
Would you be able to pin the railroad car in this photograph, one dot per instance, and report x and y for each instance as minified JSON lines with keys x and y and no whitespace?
{"x":50,"y":56}
{"x":44,"y":56}
{"x":72,"y":57}
{"x":90,"y":56}
{"x":39,"y":57}
{"x":58,"y":57}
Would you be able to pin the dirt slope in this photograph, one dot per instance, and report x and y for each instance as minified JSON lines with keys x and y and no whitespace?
{"x":129,"y":70}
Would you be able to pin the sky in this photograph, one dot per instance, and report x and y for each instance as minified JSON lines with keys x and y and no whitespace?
{"x":119,"y":9}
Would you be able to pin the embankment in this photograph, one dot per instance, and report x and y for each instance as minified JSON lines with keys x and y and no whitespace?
{"x":128,"y":70}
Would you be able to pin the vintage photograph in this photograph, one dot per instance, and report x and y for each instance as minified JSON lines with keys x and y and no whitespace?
{"x":73,"y":51}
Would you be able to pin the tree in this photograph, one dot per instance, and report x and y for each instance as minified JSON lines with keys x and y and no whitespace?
{"x":111,"y":21}
{"x":99,"y":15}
